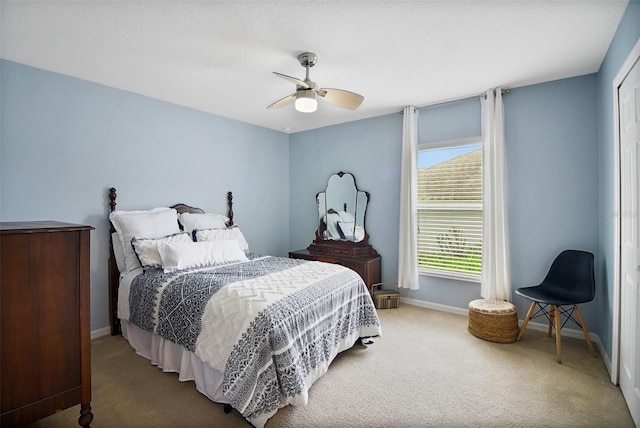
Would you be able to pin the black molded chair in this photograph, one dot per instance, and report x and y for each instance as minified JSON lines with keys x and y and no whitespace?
{"x":570,"y":281}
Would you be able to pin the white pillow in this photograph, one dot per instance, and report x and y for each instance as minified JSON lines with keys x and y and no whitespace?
{"x":181,"y":255}
{"x":147,"y":249}
{"x":222,"y":234}
{"x":347,"y":228}
{"x":118,"y":251}
{"x":154,"y":223}
{"x":191,"y":221}
{"x":331,"y":220}
{"x":346,"y":216}
{"x":352,"y":231}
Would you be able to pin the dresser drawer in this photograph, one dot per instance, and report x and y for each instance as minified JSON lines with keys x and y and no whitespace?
{"x":358,"y":267}
{"x":327,"y":259}
{"x":367,"y":267}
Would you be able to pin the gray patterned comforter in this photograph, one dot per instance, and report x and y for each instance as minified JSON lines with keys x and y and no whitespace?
{"x":271,"y":325}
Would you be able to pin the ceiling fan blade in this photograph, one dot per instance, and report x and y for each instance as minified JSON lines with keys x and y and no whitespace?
{"x":293,"y":79}
{"x":283,"y":102}
{"x":341,"y":98}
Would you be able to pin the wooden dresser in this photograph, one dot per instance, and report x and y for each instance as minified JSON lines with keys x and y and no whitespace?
{"x":341,"y":237}
{"x":367,"y":265}
{"x":45,"y":348}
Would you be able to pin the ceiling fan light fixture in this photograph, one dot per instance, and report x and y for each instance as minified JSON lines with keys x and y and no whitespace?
{"x":306,"y":91}
{"x":306,"y":101}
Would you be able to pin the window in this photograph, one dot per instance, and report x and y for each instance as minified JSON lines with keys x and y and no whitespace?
{"x":450,"y":208}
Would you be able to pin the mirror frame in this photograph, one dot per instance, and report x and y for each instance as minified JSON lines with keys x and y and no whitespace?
{"x":319,"y":234}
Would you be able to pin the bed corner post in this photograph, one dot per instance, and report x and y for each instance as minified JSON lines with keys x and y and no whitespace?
{"x":230,"y":209}
{"x":114,"y":273}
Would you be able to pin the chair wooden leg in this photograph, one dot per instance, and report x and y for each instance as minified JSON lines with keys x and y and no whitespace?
{"x":558,"y":339}
{"x":584,"y":330}
{"x":552,"y":312}
{"x":526,"y":320}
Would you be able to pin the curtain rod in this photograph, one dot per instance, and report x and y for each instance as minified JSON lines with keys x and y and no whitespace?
{"x":455,"y":100}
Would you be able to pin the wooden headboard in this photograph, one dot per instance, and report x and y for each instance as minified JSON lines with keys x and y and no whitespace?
{"x":114,"y":273}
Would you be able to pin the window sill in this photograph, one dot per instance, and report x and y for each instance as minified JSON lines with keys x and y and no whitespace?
{"x":474,"y":279}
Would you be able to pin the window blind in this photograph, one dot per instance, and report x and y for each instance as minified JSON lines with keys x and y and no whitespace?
{"x":450,"y":215}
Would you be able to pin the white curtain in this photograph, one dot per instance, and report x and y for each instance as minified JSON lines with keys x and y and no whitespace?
{"x":495,"y":249}
{"x":408,"y":251}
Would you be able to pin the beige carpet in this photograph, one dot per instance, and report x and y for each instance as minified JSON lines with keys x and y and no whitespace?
{"x":426,"y":370}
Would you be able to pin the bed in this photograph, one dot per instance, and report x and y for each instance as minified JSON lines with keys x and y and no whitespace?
{"x":253,"y":332}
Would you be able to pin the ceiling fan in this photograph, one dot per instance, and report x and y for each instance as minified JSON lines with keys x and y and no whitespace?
{"x":307,"y":90}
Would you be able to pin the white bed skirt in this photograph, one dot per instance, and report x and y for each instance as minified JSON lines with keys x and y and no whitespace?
{"x":174,"y":358}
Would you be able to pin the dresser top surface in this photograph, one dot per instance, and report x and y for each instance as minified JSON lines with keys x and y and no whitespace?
{"x":364,"y":257}
{"x":40,"y":226}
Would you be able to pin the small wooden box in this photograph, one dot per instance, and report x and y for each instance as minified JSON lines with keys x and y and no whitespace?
{"x":385,"y":299}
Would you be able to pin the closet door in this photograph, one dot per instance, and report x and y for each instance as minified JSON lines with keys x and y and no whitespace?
{"x":629,"y":108}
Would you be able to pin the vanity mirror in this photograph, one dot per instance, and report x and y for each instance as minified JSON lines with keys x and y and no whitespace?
{"x":341,"y":210}
{"x":341,"y":236}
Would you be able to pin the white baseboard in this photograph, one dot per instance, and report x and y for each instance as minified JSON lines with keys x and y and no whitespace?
{"x":435,"y":306}
{"x":105,"y":331}
{"x":568,"y":332}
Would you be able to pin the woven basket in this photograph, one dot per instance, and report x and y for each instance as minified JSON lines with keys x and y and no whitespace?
{"x":385,"y":299}
{"x":493,"y":320}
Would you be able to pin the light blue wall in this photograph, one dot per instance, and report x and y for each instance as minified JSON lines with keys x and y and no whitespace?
{"x":451,"y":121}
{"x":370,"y":149}
{"x":552,"y":173}
{"x":551,"y":153}
{"x":626,"y":37}
{"x":66,"y":141}
{"x":552,"y":179}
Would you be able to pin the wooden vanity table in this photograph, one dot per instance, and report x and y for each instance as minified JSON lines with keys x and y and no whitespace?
{"x":341,"y":237}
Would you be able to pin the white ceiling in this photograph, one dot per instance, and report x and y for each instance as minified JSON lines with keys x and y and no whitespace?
{"x":218,"y":56}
